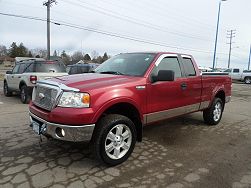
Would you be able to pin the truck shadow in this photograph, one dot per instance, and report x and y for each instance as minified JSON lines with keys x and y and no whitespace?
{"x":168,"y":133}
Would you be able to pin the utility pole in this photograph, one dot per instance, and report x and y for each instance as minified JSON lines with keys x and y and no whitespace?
{"x":230,"y":35}
{"x":249,"y":59}
{"x":48,"y":5}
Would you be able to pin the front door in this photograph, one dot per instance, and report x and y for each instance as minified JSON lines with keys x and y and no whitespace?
{"x":166,"y":99}
{"x":11,"y":77}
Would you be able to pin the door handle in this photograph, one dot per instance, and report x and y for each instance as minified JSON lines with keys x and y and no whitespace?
{"x":183,"y":86}
{"x":12,"y":76}
{"x":19,"y":76}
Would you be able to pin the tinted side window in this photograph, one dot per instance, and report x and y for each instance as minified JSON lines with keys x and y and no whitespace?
{"x":168,"y":63}
{"x":29,"y":68}
{"x":73,"y":70}
{"x":236,"y":70}
{"x":22,"y":68}
{"x":188,"y":65}
{"x":84,"y":69}
{"x":49,"y":66}
{"x":15,"y":69}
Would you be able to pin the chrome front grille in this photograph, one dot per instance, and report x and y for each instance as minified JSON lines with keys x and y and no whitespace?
{"x":45,"y":97}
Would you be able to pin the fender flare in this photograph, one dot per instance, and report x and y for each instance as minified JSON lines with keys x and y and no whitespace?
{"x":115,"y":101}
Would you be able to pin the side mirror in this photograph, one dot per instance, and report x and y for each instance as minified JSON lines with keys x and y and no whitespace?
{"x":8,"y":72}
{"x":164,"y":75}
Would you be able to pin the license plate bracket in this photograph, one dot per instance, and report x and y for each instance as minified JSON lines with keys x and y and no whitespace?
{"x":36,"y":127}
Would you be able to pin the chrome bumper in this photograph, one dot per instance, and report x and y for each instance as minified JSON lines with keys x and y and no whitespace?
{"x":71,"y":133}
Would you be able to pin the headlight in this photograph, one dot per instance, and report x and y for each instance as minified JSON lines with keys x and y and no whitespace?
{"x":75,"y":100}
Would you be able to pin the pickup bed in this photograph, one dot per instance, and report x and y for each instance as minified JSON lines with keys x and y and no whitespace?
{"x":110,"y":106}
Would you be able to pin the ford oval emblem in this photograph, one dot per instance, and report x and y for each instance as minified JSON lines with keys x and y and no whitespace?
{"x":41,"y":95}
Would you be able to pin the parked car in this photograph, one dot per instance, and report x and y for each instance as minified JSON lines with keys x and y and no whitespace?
{"x":240,"y":75}
{"x":111,"y":106}
{"x":26,"y":73}
{"x":81,"y":68}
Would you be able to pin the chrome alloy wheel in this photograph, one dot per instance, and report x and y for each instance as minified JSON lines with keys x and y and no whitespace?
{"x":118,"y":141}
{"x":217,"y":111}
{"x":248,"y":80}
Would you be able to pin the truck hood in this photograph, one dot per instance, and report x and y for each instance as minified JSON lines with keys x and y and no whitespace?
{"x":89,"y":81}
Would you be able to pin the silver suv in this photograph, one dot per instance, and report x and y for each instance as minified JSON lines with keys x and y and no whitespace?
{"x":26,"y":73}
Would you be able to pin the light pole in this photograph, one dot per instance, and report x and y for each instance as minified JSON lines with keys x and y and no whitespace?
{"x":217,"y":30}
{"x":249,"y":59}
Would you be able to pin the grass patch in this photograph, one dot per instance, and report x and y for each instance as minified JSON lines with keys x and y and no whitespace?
{"x":1,"y":77}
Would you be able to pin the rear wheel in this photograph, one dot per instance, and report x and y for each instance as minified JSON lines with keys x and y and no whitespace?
{"x":213,"y":114}
{"x":114,"y":139}
{"x":247,"y":80}
{"x":6,"y":90}
{"x":24,"y":95}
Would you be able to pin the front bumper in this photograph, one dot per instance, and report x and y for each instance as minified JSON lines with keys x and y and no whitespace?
{"x":63,"y":132}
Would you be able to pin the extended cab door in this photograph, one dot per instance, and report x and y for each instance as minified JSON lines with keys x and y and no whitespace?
{"x":192,"y":94}
{"x":165,"y":99}
{"x":18,"y":76}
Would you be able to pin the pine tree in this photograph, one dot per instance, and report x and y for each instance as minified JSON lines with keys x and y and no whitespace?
{"x":87,"y":58}
{"x":105,"y":57}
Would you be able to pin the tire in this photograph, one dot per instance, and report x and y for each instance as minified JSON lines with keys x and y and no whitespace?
{"x":247,"y":80}
{"x":6,"y":90}
{"x":213,"y":114}
{"x":114,"y":139}
{"x":24,"y":95}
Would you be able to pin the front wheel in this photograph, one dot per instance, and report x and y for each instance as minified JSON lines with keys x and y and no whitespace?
{"x":24,"y":95}
{"x":114,"y":139}
{"x":213,"y":114}
{"x":247,"y":80}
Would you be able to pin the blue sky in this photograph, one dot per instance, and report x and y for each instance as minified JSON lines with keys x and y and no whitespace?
{"x":181,"y":25}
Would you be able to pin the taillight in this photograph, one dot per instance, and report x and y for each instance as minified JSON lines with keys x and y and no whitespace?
{"x":33,"y":79}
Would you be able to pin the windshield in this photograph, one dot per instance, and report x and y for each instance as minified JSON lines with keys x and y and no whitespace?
{"x":134,"y":64}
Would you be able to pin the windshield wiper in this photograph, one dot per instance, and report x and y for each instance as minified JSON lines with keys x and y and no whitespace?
{"x":111,"y":72}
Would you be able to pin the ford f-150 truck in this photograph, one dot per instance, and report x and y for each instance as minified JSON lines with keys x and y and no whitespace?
{"x":110,"y":106}
{"x":240,"y":75}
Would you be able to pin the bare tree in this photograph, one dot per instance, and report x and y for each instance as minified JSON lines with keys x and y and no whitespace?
{"x":77,"y":56}
{"x":94,"y":54}
{"x":41,"y":52}
{"x":3,"y":50}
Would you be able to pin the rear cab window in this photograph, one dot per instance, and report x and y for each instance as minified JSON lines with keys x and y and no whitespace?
{"x":188,"y":66}
{"x":49,"y":66}
{"x":236,"y":70}
{"x":15,"y":69}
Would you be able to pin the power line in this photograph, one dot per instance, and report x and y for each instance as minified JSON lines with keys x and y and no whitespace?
{"x":133,"y":20}
{"x":62,"y":23}
{"x":249,"y":59}
{"x":162,"y":10}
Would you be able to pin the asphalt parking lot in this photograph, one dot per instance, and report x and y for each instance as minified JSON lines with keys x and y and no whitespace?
{"x":181,"y":152}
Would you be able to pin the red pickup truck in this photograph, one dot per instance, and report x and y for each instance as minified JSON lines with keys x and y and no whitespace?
{"x":110,"y":106}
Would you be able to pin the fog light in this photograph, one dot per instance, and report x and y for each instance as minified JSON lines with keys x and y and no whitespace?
{"x":59,"y":132}
{"x":62,"y":132}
